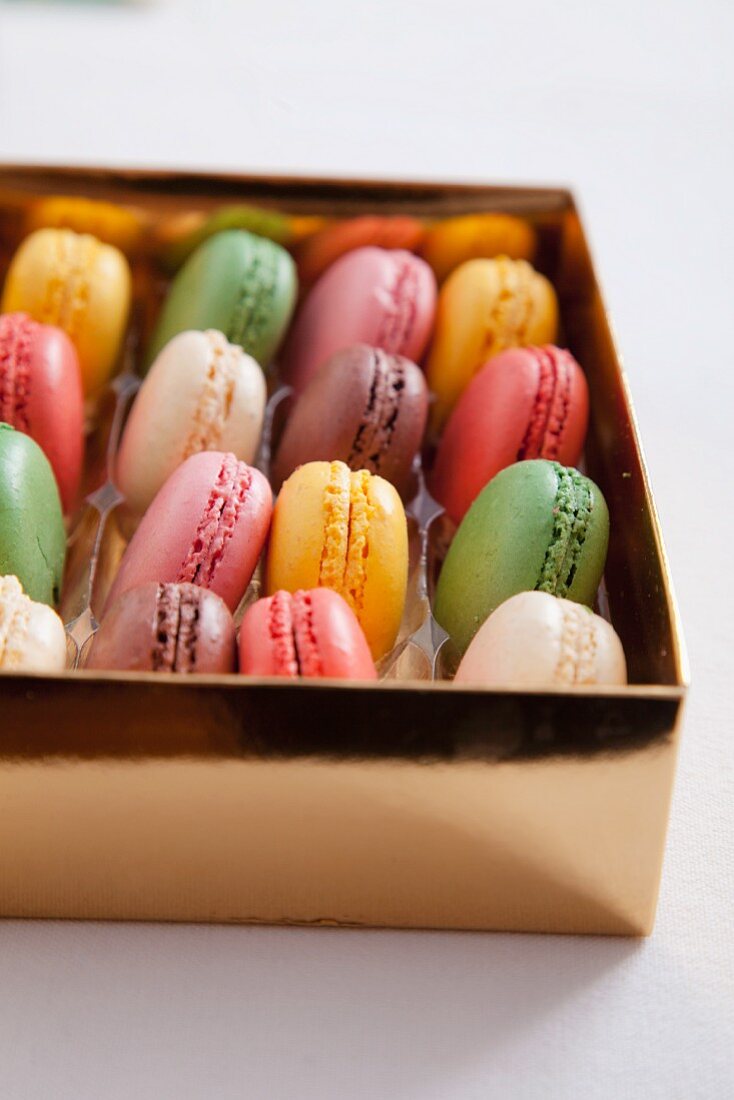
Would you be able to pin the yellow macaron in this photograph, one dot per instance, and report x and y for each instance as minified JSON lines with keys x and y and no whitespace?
{"x":344,"y":530}
{"x":484,"y":307}
{"x":76,"y":282}
{"x":453,"y":241}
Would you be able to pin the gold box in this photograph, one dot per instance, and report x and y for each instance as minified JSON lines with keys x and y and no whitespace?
{"x":413,"y":804}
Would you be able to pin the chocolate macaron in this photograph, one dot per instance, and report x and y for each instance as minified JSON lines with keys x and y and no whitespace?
{"x":166,"y":628}
{"x":376,"y":407}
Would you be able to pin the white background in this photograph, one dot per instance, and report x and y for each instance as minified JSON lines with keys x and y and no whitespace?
{"x":633,"y":104}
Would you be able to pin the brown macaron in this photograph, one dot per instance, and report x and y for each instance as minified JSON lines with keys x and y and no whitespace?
{"x":165,"y":628}
{"x":364,"y":407}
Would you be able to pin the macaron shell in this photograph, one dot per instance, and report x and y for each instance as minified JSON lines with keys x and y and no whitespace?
{"x":54,"y":405}
{"x":297,"y":532}
{"x":488,"y":425}
{"x":501,"y":546}
{"x":484,"y":307}
{"x":97,"y":326}
{"x":342,"y":647}
{"x":532,"y":640}
{"x":317,"y":252}
{"x":351,"y":303}
{"x":168,"y":530}
{"x":453,"y":241}
{"x":380,"y":610}
{"x":224,"y":272}
{"x":166,"y":409}
{"x":124,"y":640}
{"x":121,"y":226}
{"x":343,"y":386}
{"x":32,"y":535}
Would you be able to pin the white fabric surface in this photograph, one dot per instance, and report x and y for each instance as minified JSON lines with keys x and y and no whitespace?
{"x":633,"y":104}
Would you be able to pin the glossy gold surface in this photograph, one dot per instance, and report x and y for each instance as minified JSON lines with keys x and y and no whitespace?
{"x":405,"y":804}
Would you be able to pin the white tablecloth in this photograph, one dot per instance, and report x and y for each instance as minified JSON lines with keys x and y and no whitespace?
{"x":633,"y":105}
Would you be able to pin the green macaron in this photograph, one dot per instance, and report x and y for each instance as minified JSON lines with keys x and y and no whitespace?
{"x":243,"y":285}
{"x":536,"y":525}
{"x":32,"y":536}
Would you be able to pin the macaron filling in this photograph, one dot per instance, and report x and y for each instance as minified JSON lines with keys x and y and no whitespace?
{"x":215,"y":398}
{"x":374,"y":436}
{"x":217,"y":523}
{"x":577,"y":657}
{"x":550,"y":409}
{"x":16,"y":336}
{"x":347,"y":518}
{"x":511,"y":310}
{"x":400,"y":305}
{"x":291,"y":627}
{"x":176,"y":629}
{"x":571,"y":511}
{"x":15,"y":615}
{"x":253,"y":309}
{"x":68,"y":283}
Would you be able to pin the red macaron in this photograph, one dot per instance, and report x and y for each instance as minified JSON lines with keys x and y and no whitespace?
{"x":524,"y":403}
{"x":41,"y":395}
{"x":305,"y":633}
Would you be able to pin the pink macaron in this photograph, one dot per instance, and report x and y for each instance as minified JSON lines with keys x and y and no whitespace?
{"x":41,"y":395}
{"x":524,"y":403}
{"x":384,"y":298}
{"x":310,"y":633}
{"x":206,"y":526}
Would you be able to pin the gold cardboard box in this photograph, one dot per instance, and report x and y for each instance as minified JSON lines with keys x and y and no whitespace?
{"x":411,"y":803}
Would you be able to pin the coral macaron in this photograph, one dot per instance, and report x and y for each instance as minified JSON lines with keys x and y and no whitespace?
{"x":312,"y":634}
{"x":384,"y":298}
{"x":201,"y":394}
{"x":376,"y":406}
{"x":41,"y":395}
{"x":321,"y":249}
{"x":525,"y":403}
{"x":207,"y":526}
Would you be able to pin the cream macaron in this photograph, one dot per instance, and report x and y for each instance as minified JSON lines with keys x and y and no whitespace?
{"x":201,"y":394}
{"x":32,"y":636}
{"x":534,"y":639}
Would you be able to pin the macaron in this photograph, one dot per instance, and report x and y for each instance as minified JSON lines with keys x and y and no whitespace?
{"x":237,"y":283}
{"x":122,"y":226}
{"x":32,"y":536}
{"x":484,"y":307}
{"x":177,"y":236}
{"x":537,"y":525}
{"x":538,"y":640}
{"x":384,"y":298}
{"x":201,"y":394}
{"x":313,"y":634}
{"x":365,"y":407}
{"x":206,"y":526}
{"x":76,"y":282}
{"x":525,"y":403}
{"x":334,"y":528}
{"x":32,"y":636}
{"x":453,"y":241}
{"x":41,"y":395}
{"x":166,"y":628}
{"x":321,"y":249}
